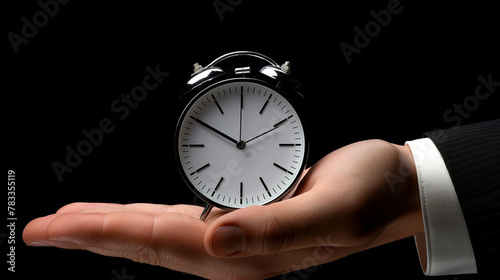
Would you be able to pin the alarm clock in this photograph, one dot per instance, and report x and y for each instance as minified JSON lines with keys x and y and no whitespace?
{"x":241,"y":140}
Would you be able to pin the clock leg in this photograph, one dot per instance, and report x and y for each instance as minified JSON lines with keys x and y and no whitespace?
{"x":206,"y":211}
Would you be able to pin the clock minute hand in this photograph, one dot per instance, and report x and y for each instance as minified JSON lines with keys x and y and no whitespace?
{"x":214,"y":130}
{"x":274,"y":127}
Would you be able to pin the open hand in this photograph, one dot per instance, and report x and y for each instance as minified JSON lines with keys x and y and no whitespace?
{"x":345,"y":203}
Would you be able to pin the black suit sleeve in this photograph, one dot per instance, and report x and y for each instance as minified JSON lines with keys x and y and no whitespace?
{"x":472,"y":155}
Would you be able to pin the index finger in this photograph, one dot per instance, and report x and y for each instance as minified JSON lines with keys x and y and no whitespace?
{"x":79,"y":207}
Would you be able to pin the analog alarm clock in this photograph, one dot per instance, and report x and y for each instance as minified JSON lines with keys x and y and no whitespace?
{"x":240,"y":140}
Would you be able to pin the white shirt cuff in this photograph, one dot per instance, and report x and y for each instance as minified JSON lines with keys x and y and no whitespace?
{"x":445,"y":247}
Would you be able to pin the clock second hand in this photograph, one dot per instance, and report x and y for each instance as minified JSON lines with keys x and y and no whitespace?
{"x":241,"y":109}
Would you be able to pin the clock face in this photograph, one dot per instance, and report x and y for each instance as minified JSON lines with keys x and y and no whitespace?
{"x":240,"y":143}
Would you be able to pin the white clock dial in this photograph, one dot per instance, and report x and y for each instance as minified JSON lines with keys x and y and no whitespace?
{"x":241,"y":143}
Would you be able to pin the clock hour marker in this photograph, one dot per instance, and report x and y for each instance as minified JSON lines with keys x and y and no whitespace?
{"x":218,"y":106}
{"x":265,"y":104}
{"x":200,"y":169}
{"x":265,"y":187}
{"x":290,"y":145}
{"x":282,"y":168}
{"x":217,"y":186}
{"x":194,"y":146}
{"x":241,"y":192}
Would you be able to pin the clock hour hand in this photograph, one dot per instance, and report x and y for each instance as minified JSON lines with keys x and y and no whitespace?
{"x":274,"y":127}
{"x":214,"y":130}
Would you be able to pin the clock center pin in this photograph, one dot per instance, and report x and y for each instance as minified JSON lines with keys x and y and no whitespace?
{"x":241,"y":145}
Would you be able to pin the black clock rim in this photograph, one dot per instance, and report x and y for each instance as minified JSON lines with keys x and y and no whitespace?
{"x":287,"y":94}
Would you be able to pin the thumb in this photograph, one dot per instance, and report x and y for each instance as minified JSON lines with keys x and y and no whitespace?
{"x":262,"y":230}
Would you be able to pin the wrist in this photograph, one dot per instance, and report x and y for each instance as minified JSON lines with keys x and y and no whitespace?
{"x":408,"y":171}
{"x":405,"y":199}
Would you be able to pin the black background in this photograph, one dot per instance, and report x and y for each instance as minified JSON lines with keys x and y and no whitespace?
{"x":64,"y":79}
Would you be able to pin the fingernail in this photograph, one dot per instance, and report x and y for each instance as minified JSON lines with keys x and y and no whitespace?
{"x":39,"y":244}
{"x":64,"y":239}
{"x":226,"y":241}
